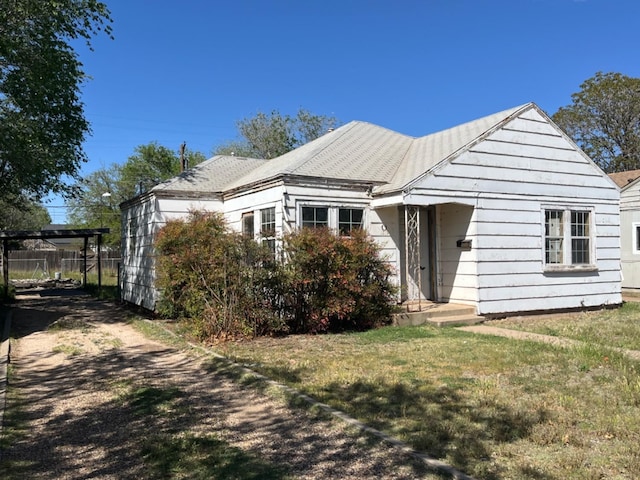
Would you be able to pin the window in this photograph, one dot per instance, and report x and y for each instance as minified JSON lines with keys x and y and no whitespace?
{"x":315,"y":217}
{"x":268,"y":227}
{"x":568,"y":237}
{"x":132,"y":227}
{"x":247,"y":224}
{"x":349,"y":219}
{"x":554,"y":236}
{"x":636,"y":238}
{"x":580,"y":238}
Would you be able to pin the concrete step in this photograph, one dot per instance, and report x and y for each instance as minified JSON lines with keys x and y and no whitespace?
{"x":443,"y":314}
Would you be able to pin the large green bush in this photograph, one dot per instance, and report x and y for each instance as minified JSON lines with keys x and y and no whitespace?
{"x":218,"y":280}
{"x":226,"y":285}
{"x":335,"y":283}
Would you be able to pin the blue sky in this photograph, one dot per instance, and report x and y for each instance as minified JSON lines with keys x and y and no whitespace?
{"x":189,"y":70}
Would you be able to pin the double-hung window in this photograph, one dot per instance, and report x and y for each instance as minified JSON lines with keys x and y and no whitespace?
{"x":268,"y":227}
{"x":568,"y":241}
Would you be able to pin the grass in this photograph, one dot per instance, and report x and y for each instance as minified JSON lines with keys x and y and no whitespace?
{"x":613,"y":328}
{"x":178,"y":454}
{"x":492,"y":407}
{"x":205,"y":457}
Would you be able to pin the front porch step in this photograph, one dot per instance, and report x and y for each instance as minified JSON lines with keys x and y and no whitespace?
{"x":440,"y":315}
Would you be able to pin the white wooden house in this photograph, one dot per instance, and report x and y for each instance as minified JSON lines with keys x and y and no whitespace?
{"x":629,"y":183}
{"x":504,"y":213}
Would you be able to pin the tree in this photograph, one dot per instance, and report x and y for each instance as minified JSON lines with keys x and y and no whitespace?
{"x":271,"y":135}
{"x":604,"y":120}
{"x":42,"y":123}
{"x":96,"y":204}
{"x":101,"y":193}
{"x":22,"y":214}
{"x":152,"y":164}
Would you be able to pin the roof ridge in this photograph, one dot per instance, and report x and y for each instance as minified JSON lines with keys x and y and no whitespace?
{"x":343,"y":131}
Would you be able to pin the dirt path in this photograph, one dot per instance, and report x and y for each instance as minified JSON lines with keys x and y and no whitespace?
{"x":96,"y":394}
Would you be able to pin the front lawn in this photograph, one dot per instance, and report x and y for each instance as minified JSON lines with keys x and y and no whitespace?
{"x":495,"y":408}
{"x":614,"y":328}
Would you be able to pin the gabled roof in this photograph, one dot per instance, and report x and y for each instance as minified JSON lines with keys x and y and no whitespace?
{"x":622,"y":179}
{"x":357,"y":152}
{"x":211,"y":176}
{"x":428,"y":151}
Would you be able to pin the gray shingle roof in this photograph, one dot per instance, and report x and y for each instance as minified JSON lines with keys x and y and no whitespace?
{"x":357,"y":151}
{"x":210,"y":176}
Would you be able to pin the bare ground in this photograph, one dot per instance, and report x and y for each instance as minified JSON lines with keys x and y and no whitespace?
{"x":81,"y":371}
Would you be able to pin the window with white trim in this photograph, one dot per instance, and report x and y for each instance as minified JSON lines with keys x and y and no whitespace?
{"x":349,"y":219}
{"x":315,"y":217}
{"x":268,"y":228}
{"x":568,"y":237}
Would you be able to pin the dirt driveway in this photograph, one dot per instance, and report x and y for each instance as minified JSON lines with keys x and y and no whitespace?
{"x":96,"y":394}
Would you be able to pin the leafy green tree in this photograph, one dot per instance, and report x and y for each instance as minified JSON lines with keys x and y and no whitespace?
{"x":96,"y":204}
{"x":152,"y":164}
{"x":604,"y":120}
{"x":23,"y":214}
{"x":42,"y":123}
{"x":271,"y":135}
{"x":100,"y":194}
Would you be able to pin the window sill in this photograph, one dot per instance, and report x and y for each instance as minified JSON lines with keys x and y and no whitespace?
{"x":570,"y":268}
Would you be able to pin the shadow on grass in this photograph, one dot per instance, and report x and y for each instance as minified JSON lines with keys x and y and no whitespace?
{"x":435,"y":420}
{"x":204,"y":457}
{"x":154,"y":412}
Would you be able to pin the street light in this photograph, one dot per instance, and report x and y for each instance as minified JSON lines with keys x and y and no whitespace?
{"x":105,"y":196}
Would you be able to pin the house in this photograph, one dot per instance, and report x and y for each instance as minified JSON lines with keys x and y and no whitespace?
{"x":505,"y":213}
{"x":629,"y":183}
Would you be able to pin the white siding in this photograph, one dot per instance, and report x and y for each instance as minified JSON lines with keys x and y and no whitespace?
{"x":629,"y":222}
{"x":513,"y":174}
{"x":457,"y":279}
{"x":141,"y":222}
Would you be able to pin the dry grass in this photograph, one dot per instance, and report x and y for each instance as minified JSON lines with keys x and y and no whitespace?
{"x":493,"y":407}
{"x":613,"y":328}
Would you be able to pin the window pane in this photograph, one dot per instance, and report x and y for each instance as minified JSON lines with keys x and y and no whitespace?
{"x":580,"y":251}
{"x":553,"y":228}
{"x":307,"y":214}
{"x":553,"y":251}
{"x":638,"y":238}
{"x":247,"y":224}
{"x":322,"y":214}
{"x":579,"y":224}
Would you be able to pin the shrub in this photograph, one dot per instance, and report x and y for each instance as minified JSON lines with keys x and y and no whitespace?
{"x":335,"y":283}
{"x":218,"y":280}
{"x":226,"y":285}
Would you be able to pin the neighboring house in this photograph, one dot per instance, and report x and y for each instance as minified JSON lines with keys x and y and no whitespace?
{"x":504,"y":213}
{"x":629,"y":183}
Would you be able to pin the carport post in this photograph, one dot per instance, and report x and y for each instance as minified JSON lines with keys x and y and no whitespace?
{"x":84,"y":278}
{"x":5,"y":266}
{"x":99,"y":264}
